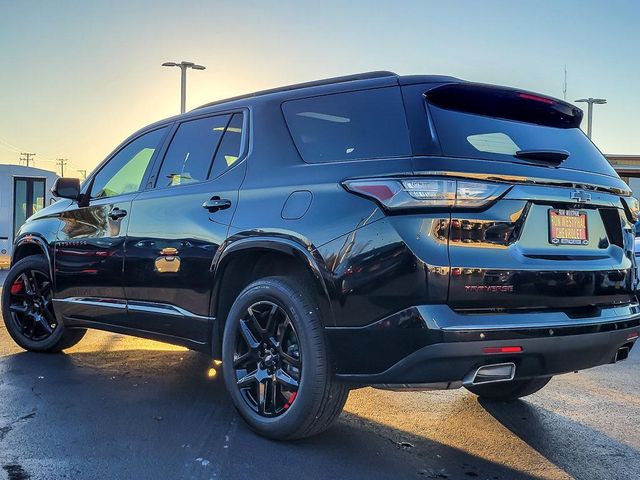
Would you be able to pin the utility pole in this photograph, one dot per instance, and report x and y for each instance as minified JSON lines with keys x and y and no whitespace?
{"x":61,"y":162}
{"x":83,"y":173}
{"x":564,"y":85}
{"x":590,"y":103}
{"x":183,"y":79}
{"x":27,"y":157}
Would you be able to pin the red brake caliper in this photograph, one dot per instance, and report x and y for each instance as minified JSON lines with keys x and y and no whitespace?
{"x":291,"y":399}
{"x":17,"y":287}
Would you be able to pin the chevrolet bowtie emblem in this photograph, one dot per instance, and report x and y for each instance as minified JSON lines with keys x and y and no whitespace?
{"x":580,"y":196}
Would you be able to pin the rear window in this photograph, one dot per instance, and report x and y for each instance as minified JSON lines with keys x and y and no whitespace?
{"x":349,"y":126}
{"x":494,"y":124}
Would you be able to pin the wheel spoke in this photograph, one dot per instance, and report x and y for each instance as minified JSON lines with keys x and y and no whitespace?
{"x":45,"y":289}
{"x":262,"y":398}
{"x":43,"y":322}
{"x":286,"y":380}
{"x":49,"y":318}
{"x":248,"y":336}
{"x":288,"y":359}
{"x":18,"y":309}
{"x":271,"y":320}
{"x":24,"y":324}
{"x":35,"y":284}
{"x":254,"y":321}
{"x":243,"y":359}
{"x":32,"y":329}
{"x":274,"y":396}
{"x":248,"y":380}
{"x":283,"y":331}
{"x":28,"y":288}
{"x":42,"y":288}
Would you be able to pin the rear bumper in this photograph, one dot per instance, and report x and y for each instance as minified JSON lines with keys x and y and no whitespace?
{"x":435,"y":345}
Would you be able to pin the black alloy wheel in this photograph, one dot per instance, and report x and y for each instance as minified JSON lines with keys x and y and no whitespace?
{"x":31,"y":307}
{"x":28,"y":310}
{"x":276,"y":364}
{"x":267,"y":359}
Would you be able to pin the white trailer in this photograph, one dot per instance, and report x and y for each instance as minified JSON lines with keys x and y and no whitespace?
{"x":23,"y":191}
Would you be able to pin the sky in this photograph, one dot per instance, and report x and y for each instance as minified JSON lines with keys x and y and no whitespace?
{"x":77,"y":77}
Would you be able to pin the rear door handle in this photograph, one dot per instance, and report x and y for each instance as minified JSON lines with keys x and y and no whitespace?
{"x":216,"y":203}
{"x":117,"y":213}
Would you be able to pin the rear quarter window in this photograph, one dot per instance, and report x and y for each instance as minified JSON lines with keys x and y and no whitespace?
{"x":349,"y":126}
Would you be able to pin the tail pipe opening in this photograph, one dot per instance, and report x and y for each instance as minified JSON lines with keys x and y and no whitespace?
{"x":622,"y":354}
{"x":497,"y":372}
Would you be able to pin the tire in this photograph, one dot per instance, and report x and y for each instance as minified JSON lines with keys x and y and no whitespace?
{"x":319,"y":398}
{"x":509,"y":390}
{"x":14,"y":303}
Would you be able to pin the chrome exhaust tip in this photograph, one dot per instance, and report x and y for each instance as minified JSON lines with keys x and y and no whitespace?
{"x":498,"y":372}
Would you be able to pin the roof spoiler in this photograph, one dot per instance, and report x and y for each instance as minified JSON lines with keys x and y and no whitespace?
{"x":507,"y":103}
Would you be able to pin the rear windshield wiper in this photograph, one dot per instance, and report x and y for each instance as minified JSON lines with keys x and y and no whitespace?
{"x":547,"y":156}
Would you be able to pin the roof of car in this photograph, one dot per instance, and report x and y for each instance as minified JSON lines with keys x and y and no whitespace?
{"x":375,"y":79}
{"x":383,"y":78}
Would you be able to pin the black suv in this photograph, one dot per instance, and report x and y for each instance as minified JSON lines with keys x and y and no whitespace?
{"x":404,"y":232}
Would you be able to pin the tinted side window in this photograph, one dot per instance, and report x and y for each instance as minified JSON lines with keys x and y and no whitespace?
{"x":124,"y":172}
{"x":349,"y":126}
{"x":191,"y":151}
{"x":230,"y":148}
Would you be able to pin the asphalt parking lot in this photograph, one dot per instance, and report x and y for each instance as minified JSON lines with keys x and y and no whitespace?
{"x":119,"y":407}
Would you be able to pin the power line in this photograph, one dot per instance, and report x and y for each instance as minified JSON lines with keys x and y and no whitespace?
{"x":61,"y":162}
{"x":26,"y":157}
{"x":9,"y":146}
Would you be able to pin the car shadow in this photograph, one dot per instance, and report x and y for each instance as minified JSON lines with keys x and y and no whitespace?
{"x":582,"y":451}
{"x":166,"y":414}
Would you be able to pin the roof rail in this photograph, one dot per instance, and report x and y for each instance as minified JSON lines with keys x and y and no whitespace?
{"x":315,"y":83}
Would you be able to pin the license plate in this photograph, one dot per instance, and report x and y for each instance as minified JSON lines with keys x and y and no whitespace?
{"x":568,"y":227}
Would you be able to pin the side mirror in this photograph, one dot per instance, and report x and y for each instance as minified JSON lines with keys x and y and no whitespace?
{"x":66,"y":188}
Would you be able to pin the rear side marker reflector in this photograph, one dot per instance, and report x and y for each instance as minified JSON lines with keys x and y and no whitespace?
{"x":633,"y":336}
{"x":513,"y":349}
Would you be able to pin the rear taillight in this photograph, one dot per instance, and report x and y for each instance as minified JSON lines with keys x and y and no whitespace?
{"x":427,"y":192}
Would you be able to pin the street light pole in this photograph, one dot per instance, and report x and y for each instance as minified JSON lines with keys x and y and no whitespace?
{"x":183,"y":79}
{"x":590,"y":102}
{"x":183,"y":89}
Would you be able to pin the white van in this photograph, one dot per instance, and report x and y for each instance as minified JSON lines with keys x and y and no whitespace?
{"x":23,"y":191}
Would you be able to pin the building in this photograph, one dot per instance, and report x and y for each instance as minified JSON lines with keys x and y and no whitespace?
{"x":23,"y":191}
{"x":628,"y":167}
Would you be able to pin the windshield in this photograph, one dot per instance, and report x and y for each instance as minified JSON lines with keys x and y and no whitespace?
{"x":478,"y":136}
